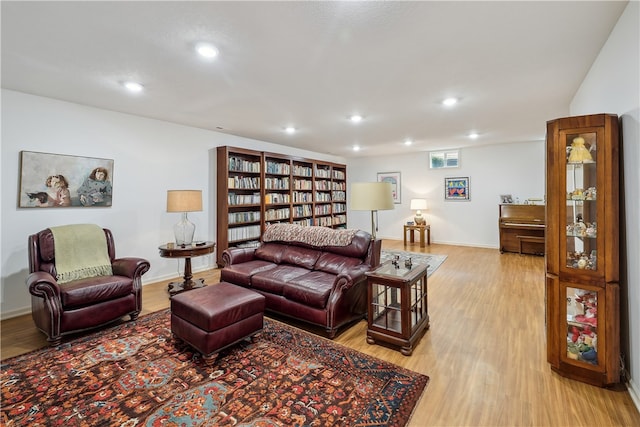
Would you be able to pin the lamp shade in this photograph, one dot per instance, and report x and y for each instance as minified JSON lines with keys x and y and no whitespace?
{"x":184,"y":200}
{"x":418,"y":204}
{"x":371,"y":196}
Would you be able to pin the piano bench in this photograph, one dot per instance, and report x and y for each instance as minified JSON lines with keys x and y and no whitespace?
{"x":533,"y":239}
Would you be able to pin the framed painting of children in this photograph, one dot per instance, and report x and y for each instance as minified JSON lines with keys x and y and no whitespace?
{"x":57,"y":180}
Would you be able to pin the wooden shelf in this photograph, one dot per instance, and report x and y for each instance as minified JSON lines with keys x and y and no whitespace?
{"x":313,"y":191}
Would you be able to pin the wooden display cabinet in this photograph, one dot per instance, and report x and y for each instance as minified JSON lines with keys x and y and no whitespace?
{"x":582,"y":243}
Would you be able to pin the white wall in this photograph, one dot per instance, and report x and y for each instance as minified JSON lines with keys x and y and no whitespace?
{"x":613,"y":86}
{"x":517,"y":169}
{"x":150,"y":157}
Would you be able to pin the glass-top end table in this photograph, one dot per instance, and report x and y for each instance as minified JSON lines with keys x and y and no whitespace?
{"x":397,"y":305}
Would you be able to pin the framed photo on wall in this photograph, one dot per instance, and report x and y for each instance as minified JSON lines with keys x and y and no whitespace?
{"x":457,"y":188}
{"x":57,"y":181}
{"x":394,"y":179}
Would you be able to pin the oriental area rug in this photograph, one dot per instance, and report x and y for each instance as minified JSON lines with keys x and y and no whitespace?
{"x":135,"y":374}
{"x":434,"y":261}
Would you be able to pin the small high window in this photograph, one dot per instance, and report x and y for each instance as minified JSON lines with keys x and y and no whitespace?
{"x":444,"y":159}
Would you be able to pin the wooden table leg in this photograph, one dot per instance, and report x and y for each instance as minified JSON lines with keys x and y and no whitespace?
{"x":422,"y":237}
{"x":429,"y":235}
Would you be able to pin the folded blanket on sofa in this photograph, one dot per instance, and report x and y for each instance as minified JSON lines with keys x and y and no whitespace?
{"x":80,"y":251}
{"x":310,"y":235}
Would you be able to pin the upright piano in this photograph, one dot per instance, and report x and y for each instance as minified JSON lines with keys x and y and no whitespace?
{"x":522,"y":228}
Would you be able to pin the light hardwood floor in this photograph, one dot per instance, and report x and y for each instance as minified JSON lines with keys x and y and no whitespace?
{"x":485,"y":352}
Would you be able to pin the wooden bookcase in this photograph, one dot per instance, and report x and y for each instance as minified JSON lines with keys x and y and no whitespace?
{"x":256,"y":188}
{"x":582,"y":243}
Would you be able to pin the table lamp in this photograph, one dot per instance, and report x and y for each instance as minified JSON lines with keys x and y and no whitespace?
{"x":371,"y":196}
{"x":184,"y":201}
{"x":419,"y":205}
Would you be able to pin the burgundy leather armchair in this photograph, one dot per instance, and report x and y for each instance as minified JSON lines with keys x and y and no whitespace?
{"x":82,"y":304}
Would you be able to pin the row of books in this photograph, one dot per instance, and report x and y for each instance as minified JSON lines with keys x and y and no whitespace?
{"x":323,"y":210}
{"x":323,"y":197}
{"x":243,"y":182}
{"x":302,"y":210}
{"x":302,"y":184}
{"x":302,"y":170}
{"x":242,"y":217}
{"x":271,"y":198}
{"x":302,"y":197}
{"x":339,"y":195}
{"x":276,"y":183}
{"x":243,"y":199}
{"x":244,"y":233}
{"x":323,"y":185}
{"x":339,"y":219}
{"x":272,"y":214}
{"x":239,"y":164}
{"x":278,"y":168}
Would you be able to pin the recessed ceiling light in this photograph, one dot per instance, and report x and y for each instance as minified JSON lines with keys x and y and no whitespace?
{"x":207,"y":50}
{"x":290,"y":129}
{"x":356,"y":118}
{"x":408,"y":142}
{"x":133,"y":87}
{"x":450,"y":101}
{"x":473,"y":135}
{"x":356,"y":148}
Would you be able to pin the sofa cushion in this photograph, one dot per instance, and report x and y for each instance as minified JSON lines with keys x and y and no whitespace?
{"x":240,"y":274}
{"x":357,"y":249}
{"x":271,"y":252}
{"x":82,"y":292}
{"x":336,"y":264}
{"x":302,"y":257}
{"x":274,"y":279}
{"x":310,"y":289}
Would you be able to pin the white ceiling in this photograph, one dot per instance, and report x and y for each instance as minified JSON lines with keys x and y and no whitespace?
{"x":514,"y":65}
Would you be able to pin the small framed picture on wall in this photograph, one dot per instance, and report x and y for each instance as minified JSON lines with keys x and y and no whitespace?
{"x":394,"y":179}
{"x":457,"y":188}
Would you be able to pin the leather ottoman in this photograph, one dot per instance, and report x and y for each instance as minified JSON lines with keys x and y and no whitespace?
{"x":217,"y":316}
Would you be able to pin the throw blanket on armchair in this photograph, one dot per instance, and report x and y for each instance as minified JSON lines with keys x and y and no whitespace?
{"x":310,"y":235}
{"x":80,"y":251}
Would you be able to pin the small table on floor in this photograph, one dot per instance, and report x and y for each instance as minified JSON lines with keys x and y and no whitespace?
{"x":187,"y":252}
{"x":397,"y":299}
{"x":421,"y":229}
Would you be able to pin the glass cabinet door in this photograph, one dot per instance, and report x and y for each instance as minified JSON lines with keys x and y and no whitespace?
{"x":581,"y":327}
{"x":581,"y":222}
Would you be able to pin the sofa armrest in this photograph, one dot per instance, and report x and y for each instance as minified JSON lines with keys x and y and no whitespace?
{"x":237,"y":255}
{"x":130,"y":267}
{"x":43,"y":285}
{"x":344,"y":281}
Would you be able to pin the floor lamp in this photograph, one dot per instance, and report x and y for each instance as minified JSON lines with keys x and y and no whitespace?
{"x":371,"y":196}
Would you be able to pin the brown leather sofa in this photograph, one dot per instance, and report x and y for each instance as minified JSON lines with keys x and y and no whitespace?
{"x":81,"y":304}
{"x":320,"y":284}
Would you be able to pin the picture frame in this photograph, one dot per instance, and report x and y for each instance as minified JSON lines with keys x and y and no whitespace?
{"x":50,"y":180}
{"x":506,"y":199}
{"x":394,"y":179}
{"x":457,"y":188}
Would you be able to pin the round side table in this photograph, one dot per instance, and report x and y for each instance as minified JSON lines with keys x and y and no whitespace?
{"x":187,"y":252}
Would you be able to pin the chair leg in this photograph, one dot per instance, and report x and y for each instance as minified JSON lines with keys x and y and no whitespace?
{"x":54,"y":341}
{"x":135,"y":315}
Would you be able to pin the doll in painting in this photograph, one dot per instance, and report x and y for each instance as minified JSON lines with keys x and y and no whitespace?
{"x":59,"y":194}
{"x":96,"y":189}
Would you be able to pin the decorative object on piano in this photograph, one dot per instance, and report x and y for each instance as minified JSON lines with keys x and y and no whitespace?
{"x":578,"y":152}
{"x":506,"y":198}
{"x":533,"y":201}
{"x":457,"y":188}
{"x":392,"y":178}
{"x":419,"y":205}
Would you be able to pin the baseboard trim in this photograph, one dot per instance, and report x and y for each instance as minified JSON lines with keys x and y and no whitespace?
{"x":634,"y":392}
